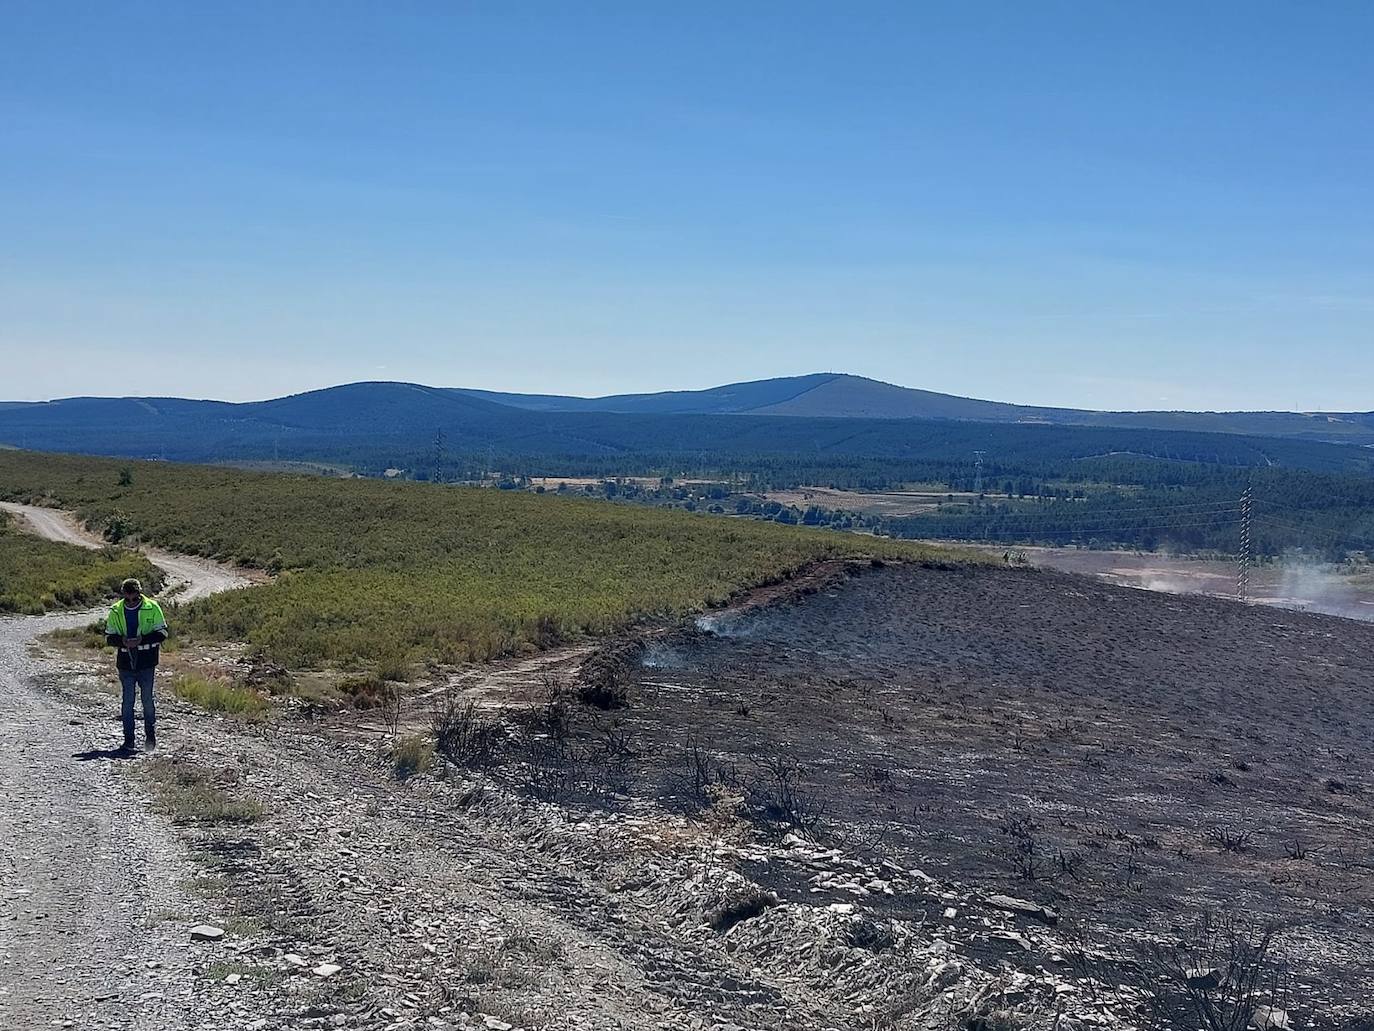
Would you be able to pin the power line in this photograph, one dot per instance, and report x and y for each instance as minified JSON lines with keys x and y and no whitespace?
{"x":1107,"y":522}
{"x":1028,"y":532}
{"x":1232,"y":505}
{"x":1229,"y":506}
{"x":1314,"y":531}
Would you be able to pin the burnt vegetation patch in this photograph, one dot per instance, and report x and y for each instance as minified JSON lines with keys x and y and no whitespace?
{"x":1060,"y":755}
{"x":604,"y":679}
{"x":1062,"y":751}
{"x":739,"y":906}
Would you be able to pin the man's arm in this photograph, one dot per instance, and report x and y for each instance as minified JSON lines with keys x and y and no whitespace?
{"x":158,"y":633}
{"x":114,"y":636}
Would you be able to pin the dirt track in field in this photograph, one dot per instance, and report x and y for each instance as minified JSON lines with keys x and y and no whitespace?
{"x":87,"y":875}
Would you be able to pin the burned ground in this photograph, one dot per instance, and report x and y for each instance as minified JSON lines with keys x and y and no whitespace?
{"x":1128,"y":758}
{"x":895,"y":797}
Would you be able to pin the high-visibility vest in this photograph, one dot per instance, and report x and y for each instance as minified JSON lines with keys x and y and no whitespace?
{"x":150,"y":620}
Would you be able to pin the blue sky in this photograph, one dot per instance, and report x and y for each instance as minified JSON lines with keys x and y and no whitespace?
{"x":1109,"y":205}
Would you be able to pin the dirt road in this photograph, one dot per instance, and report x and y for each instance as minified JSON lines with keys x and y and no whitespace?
{"x":189,"y":577}
{"x":94,"y":926}
{"x":53,"y":524}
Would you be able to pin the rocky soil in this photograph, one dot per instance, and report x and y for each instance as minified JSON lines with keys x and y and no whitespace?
{"x":92,"y":884}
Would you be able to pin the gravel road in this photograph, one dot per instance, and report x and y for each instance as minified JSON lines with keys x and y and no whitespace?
{"x":53,"y":524}
{"x":93,"y":917}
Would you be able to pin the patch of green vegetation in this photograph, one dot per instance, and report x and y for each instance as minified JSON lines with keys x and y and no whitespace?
{"x":90,"y":636}
{"x":410,"y":755}
{"x":190,"y":795}
{"x":384,"y":574}
{"x":215,"y":695}
{"x":39,"y":576}
{"x":363,"y":692}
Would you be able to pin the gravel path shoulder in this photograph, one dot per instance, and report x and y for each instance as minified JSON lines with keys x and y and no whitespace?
{"x":94,"y":915}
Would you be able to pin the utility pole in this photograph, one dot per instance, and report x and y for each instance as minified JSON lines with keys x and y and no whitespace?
{"x":978,"y":471}
{"x":1243,"y":579}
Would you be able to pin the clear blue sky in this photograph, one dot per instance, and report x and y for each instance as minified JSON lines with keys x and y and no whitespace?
{"x":1096,"y":204}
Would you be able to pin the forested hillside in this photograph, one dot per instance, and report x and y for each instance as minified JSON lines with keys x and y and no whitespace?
{"x":375,"y":426}
{"x":830,"y":395}
{"x":1131,"y":486}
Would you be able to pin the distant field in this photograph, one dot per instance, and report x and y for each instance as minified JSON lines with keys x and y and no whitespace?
{"x":393,"y":572}
{"x":38,"y":576}
{"x":1290,"y":583}
{"x":881,"y":503}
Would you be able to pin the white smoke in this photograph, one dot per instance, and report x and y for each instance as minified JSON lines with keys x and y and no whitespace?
{"x":1319,"y":586}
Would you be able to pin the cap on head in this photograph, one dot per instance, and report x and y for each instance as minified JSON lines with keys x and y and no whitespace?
{"x":131,"y":586}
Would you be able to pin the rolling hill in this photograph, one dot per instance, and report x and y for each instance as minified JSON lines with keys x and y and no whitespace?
{"x":371,"y":426}
{"x":841,"y":396}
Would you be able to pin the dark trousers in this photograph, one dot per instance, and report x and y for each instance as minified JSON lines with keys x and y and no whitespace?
{"x":143,"y":680}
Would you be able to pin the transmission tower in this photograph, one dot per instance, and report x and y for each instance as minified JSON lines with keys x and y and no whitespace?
{"x":1243,"y":579}
{"x":978,"y":471}
{"x":439,"y":455}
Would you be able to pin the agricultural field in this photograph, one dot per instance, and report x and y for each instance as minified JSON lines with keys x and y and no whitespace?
{"x":396,"y":573}
{"x":869,"y":503}
{"x":39,"y":576}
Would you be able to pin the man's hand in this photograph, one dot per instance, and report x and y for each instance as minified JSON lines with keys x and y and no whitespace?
{"x":131,"y":642}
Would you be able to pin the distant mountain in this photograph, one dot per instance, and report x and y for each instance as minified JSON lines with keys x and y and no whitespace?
{"x":841,"y":396}
{"x":733,"y":399}
{"x":373,"y":426}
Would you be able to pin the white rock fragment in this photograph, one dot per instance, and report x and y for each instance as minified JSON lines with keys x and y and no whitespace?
{"x":206,"y":933}
{"x":326,"y":970}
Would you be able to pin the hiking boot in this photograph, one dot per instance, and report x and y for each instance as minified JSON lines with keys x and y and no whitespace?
{"x":128,"y":745}
{"x":150,"y":740}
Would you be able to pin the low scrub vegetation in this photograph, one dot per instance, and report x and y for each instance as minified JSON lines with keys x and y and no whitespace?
{"x":410,"y":755}
{"x":191,"y":795}
{"x":1223,"y":974}
{"x":38,"y":576}
{"x":385,"y":574}
{"x":216,"y":695}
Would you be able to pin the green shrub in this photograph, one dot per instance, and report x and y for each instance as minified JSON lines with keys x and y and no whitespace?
{"x":191,"y":795}
{"x":216,"y":695}
{"x":392,"y":664}
{"x":364,"y":692}
{"x":410,"y":755}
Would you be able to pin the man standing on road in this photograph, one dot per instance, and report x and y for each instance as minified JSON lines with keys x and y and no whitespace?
{"x":136,"y":627}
